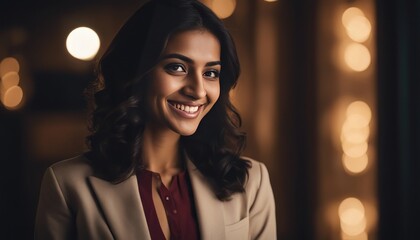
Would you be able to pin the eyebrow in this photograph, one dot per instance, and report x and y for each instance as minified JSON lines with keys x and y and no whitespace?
{"x":188,"y":60}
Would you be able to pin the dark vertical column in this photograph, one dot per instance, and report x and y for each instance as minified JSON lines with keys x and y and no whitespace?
{"x":398,"y":32}
{"x":304,"y":96}
{"x":11,"y":175}
{"x":300,"y":114}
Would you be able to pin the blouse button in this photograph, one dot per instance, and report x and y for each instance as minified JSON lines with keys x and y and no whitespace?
{"x":175,"y":211}
{"x":167,"y":198}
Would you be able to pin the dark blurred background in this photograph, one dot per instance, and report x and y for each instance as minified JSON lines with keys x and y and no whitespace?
{"x":329,"y":93}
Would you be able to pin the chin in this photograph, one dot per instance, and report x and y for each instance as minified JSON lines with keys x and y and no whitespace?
{"x":184,"y":128}
{"x":187,"y":133}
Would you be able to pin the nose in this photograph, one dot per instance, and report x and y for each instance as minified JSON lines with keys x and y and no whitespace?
{"x":194,"y":87}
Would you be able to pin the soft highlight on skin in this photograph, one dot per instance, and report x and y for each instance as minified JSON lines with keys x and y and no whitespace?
{"x":186,"y":76}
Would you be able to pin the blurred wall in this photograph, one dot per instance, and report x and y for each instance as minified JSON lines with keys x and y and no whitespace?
{"x":399,"y":118}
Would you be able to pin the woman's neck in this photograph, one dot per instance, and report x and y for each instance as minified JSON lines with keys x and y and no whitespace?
{"x":161,"y":151}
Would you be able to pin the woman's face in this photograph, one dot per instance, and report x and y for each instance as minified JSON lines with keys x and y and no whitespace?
{"x":185,"y":83}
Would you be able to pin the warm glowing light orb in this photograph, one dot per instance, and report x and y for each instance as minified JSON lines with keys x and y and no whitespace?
{"x":362,"y":236}
{"x":354,"y":230}
{"x":358,"y":28}
{"x":353,"y":134}
{"x":271,"y":0}
{"x":223,"y":8}
{"x":10,"y":79}
{"x":357,"y":120}
{"x":357,"y":57}
{"x":352,"y":216}
{"x":13,"y":97}
{"x":350,"y":203}
{"x":360,"y":112}
{"x":7,"y":65}
{"x":355,"y":165}
{"x":349,"y":14}
{"x":83,"y":43}
{"x":354,"y":150}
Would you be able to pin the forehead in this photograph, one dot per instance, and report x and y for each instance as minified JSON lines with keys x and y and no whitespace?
{"x":198,"y":43}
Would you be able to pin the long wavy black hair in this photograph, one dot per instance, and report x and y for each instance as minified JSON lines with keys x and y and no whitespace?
{"x":118,"y":98}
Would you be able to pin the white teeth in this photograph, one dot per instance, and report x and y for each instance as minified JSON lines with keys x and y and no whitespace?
{"x":185,"y":108}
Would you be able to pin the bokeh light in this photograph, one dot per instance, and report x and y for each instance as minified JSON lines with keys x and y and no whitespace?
{"x":354,"y":230}
{"x":358,"y":28}
{"x":355,"y":129}
{"x":354,"y":137}
{"x":357,"y":57}
{"x":355,"y":165}
{"x":352,"y":134}
{"x":358,"y":120}
{"x":349,"y":14}
{"x":83,"y":43}
{"x":352,"y":216}
{"x":223,"y":8}
{"x":362,"y":236}
{"x":355,"y":150}
{"x":7,"y":65}
{"x":12,"y":97}
{"x":360,"y":112}
{"x":10,"y":79}
{"x":350,"y":203}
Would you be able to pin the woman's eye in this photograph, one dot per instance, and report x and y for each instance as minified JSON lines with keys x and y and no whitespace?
{"x":177,"y":68}
{"x":212,"y":74}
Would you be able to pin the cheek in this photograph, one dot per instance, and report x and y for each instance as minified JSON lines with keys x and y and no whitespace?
{"x":162,"y":86}
{"x":213,"y":92}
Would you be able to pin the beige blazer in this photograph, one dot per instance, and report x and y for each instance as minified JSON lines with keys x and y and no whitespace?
{"x":74,"y":204}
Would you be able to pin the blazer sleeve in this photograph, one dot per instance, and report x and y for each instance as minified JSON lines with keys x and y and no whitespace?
{"x":262,"y":212}
{"x":53,"y":218}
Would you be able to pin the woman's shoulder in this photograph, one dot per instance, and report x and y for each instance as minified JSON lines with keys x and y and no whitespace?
{"x":67,"y":178}
{"x":257,"y":168}
{"x":258,"y":177}
{"x":72,"y":168}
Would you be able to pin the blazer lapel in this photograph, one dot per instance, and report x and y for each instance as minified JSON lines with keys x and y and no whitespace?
{"x":209,"y":209}
{"x":122,"y":208}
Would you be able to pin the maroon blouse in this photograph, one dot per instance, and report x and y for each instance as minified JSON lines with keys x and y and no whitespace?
{"x":177,"y":201}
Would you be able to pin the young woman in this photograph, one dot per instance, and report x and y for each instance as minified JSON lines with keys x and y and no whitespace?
{"x":165,"y":145}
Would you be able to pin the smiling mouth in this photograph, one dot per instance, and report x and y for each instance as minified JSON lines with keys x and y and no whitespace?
{"x":186,"y":108}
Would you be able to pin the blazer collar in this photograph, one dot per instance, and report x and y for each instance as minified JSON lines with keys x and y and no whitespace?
{"x":123,"y":210}
{"x":209,"y":209}
{"x":122,"y":207}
